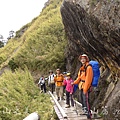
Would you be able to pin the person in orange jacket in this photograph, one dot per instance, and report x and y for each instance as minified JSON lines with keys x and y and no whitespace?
{"x":84,"y":81}
{"x":59,"y":84}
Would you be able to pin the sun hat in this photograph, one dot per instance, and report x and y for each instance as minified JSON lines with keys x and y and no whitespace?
{"x":69,"y":74}
{"x":85,"y":56}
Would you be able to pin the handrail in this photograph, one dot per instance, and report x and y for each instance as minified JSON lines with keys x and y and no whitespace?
{"x":58,"y":105}
{"x":77,"y":102}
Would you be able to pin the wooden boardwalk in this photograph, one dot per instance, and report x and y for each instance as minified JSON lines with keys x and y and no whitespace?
{"x":72,"y":113}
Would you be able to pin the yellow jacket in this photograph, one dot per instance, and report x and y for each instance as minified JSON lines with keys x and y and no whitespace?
{"x":84,"y":81}
{"x":59,"y":80}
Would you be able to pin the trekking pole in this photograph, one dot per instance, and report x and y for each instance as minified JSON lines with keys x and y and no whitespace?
{"x":76,"y":107}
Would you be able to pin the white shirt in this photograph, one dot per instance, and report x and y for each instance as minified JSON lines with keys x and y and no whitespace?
{"x":41,"y":81}
{"x":51,"y":78}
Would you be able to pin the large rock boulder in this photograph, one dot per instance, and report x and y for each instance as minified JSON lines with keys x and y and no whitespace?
{"x":93,"y":27}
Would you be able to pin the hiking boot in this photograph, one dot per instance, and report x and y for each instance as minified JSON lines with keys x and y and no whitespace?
{"x":83,"y":112}
{"x":89,"y":117}
{"x":67,"y":106}
{"x":58,"y":99}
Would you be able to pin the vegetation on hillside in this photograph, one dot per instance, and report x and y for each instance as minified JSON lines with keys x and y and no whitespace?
{"x":7,"y":51}
{"x":44,"y":42}
{"x":19,"y":96}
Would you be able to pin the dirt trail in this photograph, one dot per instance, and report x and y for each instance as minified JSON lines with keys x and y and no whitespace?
{"x":3,"y":69}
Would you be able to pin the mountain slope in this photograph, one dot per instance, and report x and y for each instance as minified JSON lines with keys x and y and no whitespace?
{"x":44,"y":41}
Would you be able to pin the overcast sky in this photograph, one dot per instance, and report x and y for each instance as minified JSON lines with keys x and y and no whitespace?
{"x":16,"y":13}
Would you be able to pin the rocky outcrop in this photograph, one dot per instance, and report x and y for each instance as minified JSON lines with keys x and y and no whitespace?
{"x":93,"y":27}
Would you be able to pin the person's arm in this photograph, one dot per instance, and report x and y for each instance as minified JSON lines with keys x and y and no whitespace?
{"x":88,"y":79}
{"x":71,"y":91}
{"x":55,"y":79}
{"x":64,"y":82}
{"x":62,"y":78}
{"x":78,"y":79}
{"x":39,"y":82}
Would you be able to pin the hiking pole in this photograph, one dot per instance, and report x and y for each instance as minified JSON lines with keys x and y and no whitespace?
{"x":77,"y":103}
{"x":76,"y":107}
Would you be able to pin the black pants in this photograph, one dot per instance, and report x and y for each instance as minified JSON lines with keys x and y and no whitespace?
{"x":64,"y":87}
{"x":43,"y":87}
{"x":85,"y":103}
{"x":52,"y":87}
{"x":69,"y":97}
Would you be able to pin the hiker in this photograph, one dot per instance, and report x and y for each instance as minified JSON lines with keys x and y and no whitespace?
{"x":65,"y":75}
{"x":69,"y":90}
{"x":32,"y":116}
{"x":42,"y":84}
{"x":59,"y":84}
{"x":65,"y":78}
{"x":51,"y":82}
{"x":84,"y":81}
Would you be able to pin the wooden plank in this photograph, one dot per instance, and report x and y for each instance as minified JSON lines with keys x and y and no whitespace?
{"x":58,"y":105}
{"x":71,"y":113}
{"x":58,"y":113}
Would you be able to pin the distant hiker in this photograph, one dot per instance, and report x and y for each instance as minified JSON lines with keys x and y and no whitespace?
{"x":32,"y":116}
{"x":59,"y":84}
{"x":42,"y":84}
{"x":51,"y":82}
{"x":65,"y":78}
{"x":84,"y":81}
{"x":65,"y":75}
{"x":69,"y":90}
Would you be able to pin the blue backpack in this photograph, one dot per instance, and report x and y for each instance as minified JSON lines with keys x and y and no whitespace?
{"x":96,"y":72}
{"x":75,"y":88}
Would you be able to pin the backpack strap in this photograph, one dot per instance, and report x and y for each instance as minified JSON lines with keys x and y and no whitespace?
{"x":86,"y":68}
{"x":81,"y":71}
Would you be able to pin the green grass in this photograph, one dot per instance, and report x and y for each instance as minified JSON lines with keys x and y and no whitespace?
{"x":19,"y":96}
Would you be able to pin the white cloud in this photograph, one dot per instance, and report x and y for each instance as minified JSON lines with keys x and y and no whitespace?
{"x":16,"y":13}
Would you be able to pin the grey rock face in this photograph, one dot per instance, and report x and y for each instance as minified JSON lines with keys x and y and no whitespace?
{"x":93,"y":27}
